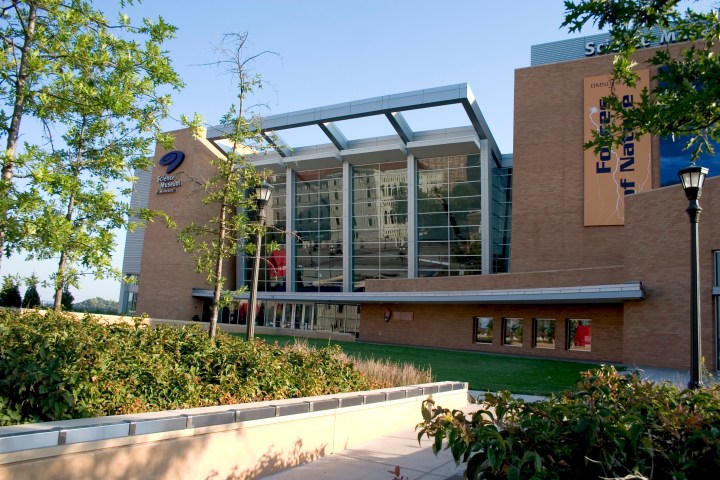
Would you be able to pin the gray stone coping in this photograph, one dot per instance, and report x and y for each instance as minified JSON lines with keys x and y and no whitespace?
{"x":50,"y":434}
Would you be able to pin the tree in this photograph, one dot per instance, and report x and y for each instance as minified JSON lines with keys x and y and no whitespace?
{"x":97,"y":305}
{"x":10,"y":293}
{"x":31,"y":299}
{"x":217,"y":240}
{"x":37,"y":40}
{"x":67,"y":300}
{"x":101,"y":111}
{"x":685,"y":99}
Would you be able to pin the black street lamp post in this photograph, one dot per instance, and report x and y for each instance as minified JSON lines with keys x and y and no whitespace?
{"x":692,"y":179}
{"x":263,"y":194}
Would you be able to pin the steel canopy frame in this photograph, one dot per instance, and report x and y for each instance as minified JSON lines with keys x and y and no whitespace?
{"x":389,"y":106}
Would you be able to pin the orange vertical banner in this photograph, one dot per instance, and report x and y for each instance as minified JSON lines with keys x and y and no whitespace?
{"x":615,"y":172}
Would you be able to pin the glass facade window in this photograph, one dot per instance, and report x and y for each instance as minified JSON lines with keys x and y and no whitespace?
{"x":544,"y":333}
{"x":483,"y":329}
{"x":501,"y":219}
{"x":449,"y":215}
{"x":513,"y":332}
{"x":272,"y":274}
{"x":318,"y":230}
{"x":379,"y":227}
{"x":674,"y":157}
{"x":579,"y":334}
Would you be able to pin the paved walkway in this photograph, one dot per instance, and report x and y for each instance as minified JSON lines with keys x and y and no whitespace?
{"x":377,"y":459}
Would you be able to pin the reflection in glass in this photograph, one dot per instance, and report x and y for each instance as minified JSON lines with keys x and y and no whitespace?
{"x":513,"y":332}
{"x":318,"y":231}
{"x":673,"y":157}
{"x":449,"y":216}
{"x":379,"y":222}
{"x":544,"y":332}
{"x":501,"y":219}
{"x":579,"y":334}
{"x":483,"y":330}
{"x":272,"y":272}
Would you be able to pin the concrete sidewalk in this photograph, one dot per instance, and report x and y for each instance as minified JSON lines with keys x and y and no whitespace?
{"x":378,"y":460}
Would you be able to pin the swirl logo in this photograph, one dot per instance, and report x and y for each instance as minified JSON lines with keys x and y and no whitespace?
{"x":172,"y":160}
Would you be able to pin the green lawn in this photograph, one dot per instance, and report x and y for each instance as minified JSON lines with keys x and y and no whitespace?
{"x":484,"y":372}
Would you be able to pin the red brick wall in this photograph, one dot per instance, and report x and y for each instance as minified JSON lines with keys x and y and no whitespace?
{"x":167,"y":274}
{"x":548,"y":191}
{"x":451,"y":326}
{"x":657,"y":330}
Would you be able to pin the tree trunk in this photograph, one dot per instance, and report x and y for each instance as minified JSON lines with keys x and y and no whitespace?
{"x":19,"y":105}
{"x":218,"y":274}
{"x":60,"y":280}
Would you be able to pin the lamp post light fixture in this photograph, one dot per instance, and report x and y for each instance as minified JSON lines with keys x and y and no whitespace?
{"x":262,"y":198}
{"x":692,"y":179}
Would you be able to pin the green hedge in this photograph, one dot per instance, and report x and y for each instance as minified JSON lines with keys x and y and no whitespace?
{"x":609,"y":426}
{"x":55,"y":367}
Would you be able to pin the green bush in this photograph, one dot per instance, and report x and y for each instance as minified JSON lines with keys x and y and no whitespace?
{"x":54,"y":367}
{"x":609,"y":426}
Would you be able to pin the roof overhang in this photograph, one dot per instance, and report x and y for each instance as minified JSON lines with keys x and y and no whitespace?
{"x":388,"y":106}
{"x":614,"y":293}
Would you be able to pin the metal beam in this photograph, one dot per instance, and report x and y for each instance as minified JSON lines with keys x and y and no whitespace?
{"x":335,"y":135}
{"x":276,"y":143}
{"x":401,"y":126}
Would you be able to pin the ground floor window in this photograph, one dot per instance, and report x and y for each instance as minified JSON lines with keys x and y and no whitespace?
{"x":579,"y":334}
{"x":483,"y":330}
{"x":513,"y":332}
{"x":544,"y":332}
{"x":304,"y":316}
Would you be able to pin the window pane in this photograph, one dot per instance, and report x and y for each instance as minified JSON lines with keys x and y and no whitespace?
{"x":449,"y":215}
{"x":513,"y":331}
{"x":483,"y":330}
{"x":379,"y":222}
{"x":544,"y":333}
{"x":579,"y":334}
{"x":319,"y":220}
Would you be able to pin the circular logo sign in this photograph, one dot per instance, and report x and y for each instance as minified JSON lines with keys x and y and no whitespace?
{"x":172,"y":160}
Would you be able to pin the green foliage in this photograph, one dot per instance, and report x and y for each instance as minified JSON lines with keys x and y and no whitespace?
{"x":55,"y":367}
{"x":97,"y":305}
{"x":31,"y":299}
{"x":609,"y":426}
{"x":684,"y":98}
{"x":101,"y":108}
{"x":66,"y":300}
{"x":10,"y":293}
{"x":228,"y":190}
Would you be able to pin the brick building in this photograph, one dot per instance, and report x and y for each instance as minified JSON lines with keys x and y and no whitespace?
{"x":436,"y":238}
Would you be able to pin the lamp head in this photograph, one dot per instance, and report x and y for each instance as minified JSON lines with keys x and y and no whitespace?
{"x":692,"y":179}
{"x":263,"y":193}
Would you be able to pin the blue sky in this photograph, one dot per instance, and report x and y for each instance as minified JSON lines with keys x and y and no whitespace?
{"x":343,"y":50}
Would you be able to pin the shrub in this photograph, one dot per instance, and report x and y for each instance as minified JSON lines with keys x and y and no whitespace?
{"x":54,"y":367}
{"x":609,"y":426}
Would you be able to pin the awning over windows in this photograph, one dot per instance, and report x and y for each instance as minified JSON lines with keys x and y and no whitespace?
{"x":615,"y":293}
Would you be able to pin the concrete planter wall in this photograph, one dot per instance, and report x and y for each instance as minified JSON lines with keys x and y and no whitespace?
{"x":228,"y":442}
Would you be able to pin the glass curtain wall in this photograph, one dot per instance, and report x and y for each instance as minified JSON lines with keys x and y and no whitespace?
{"x":318,"y":224}
{"x":449,"y":214}
{"x":379,"y":222}
{"x":272,"y":272}
{"x":501,"y":219}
